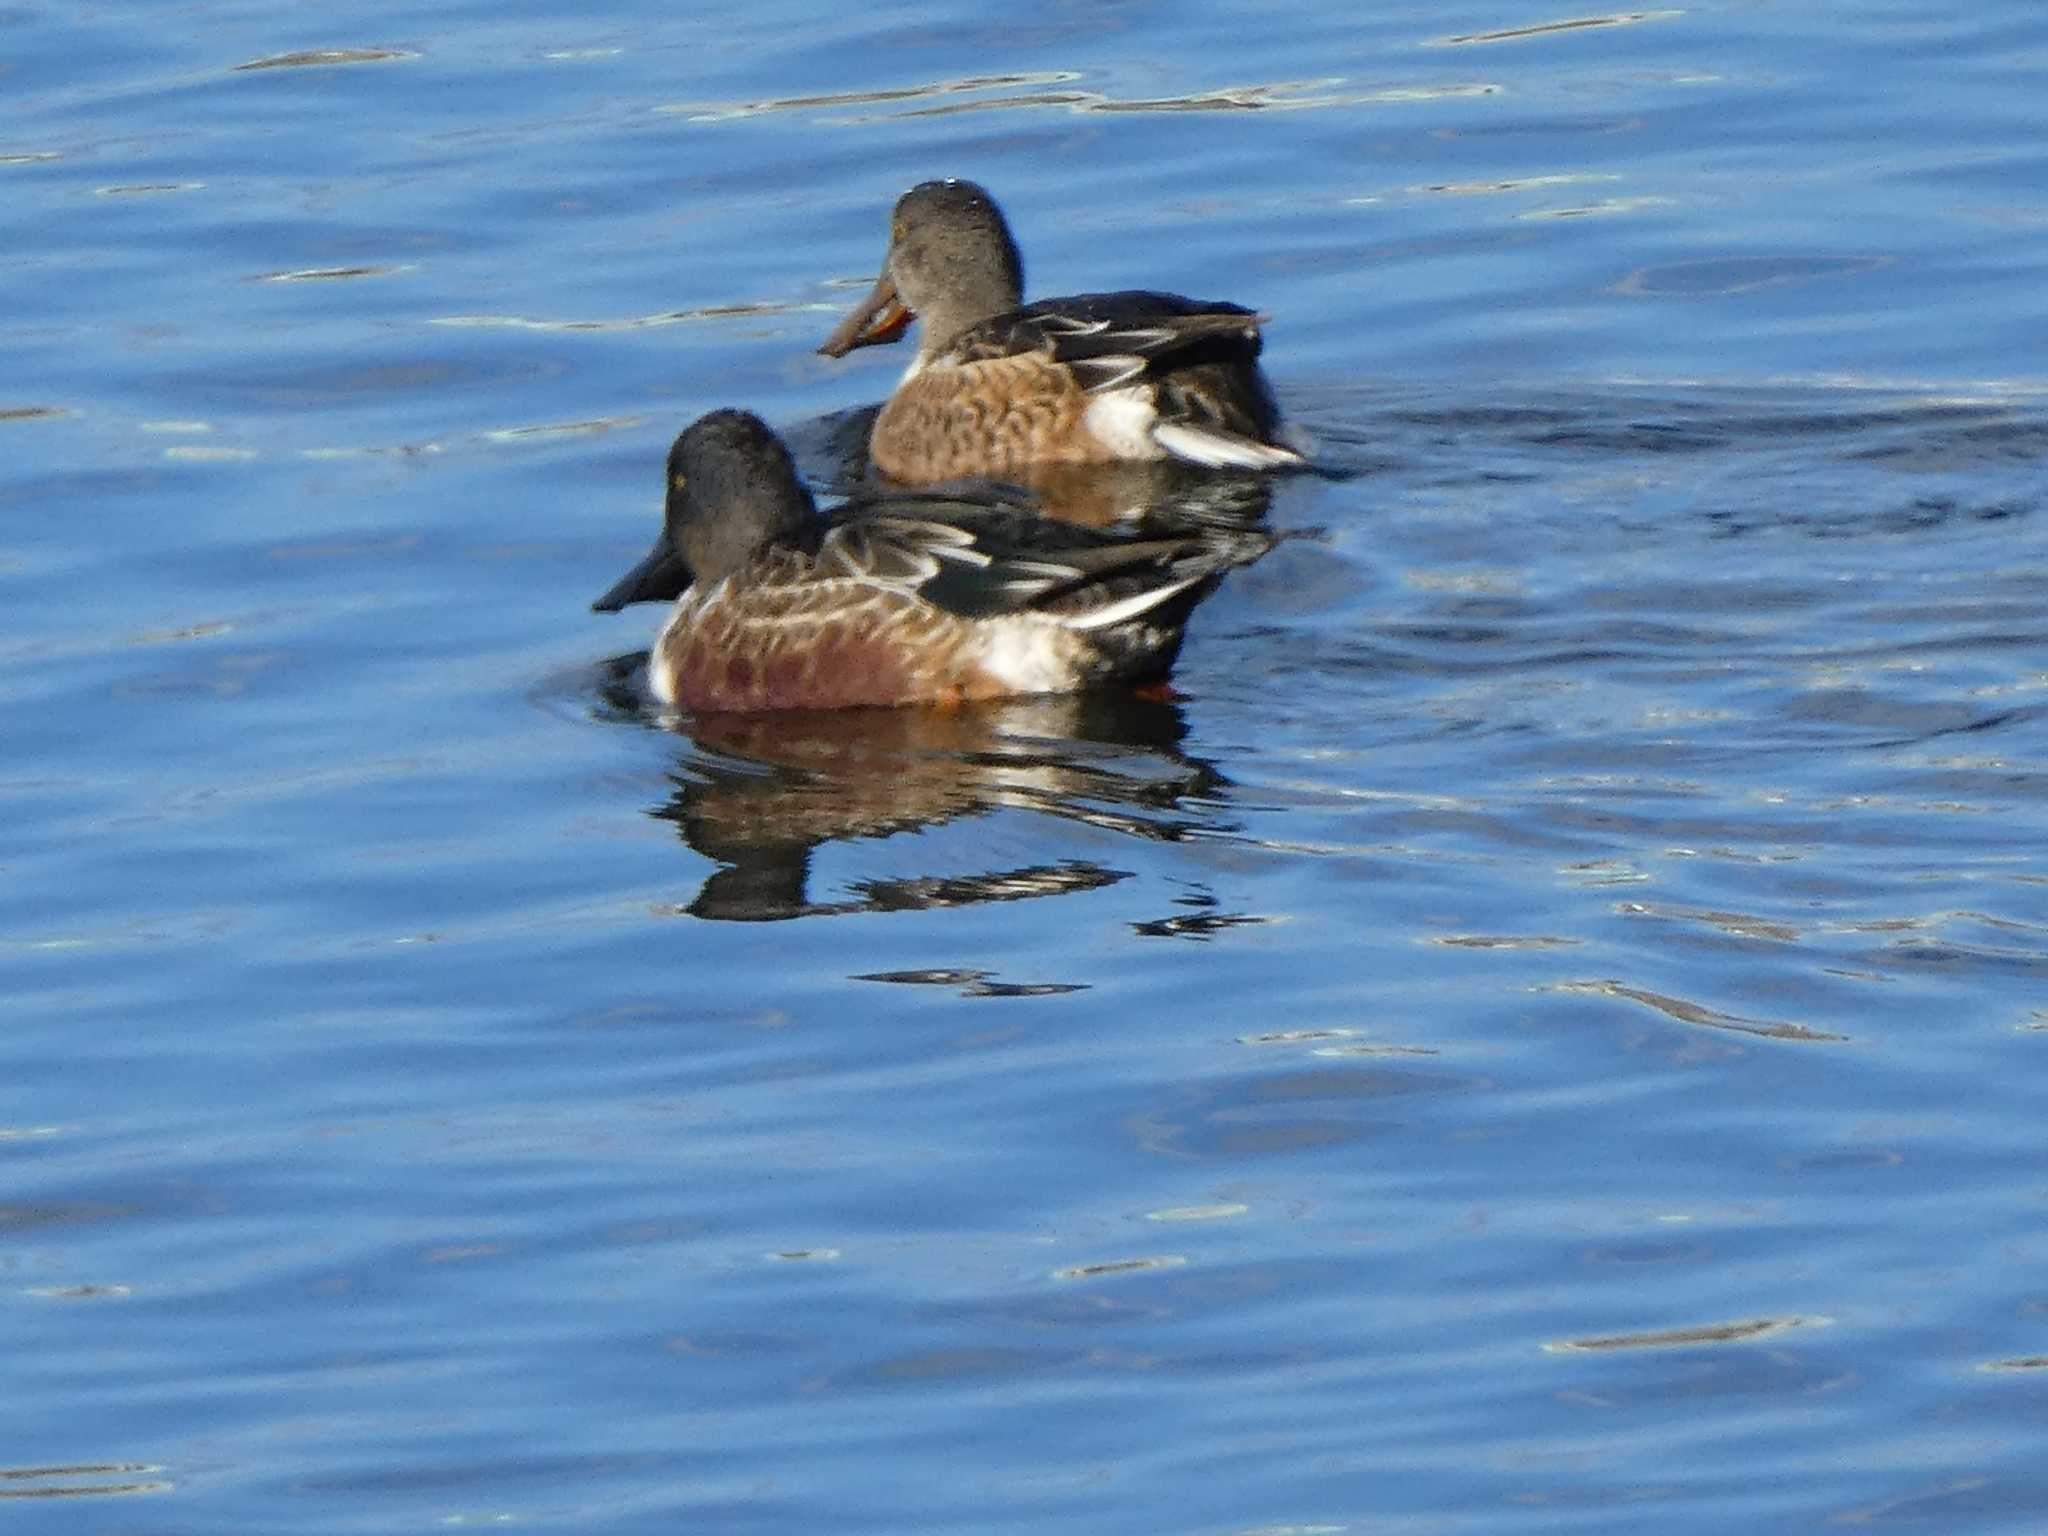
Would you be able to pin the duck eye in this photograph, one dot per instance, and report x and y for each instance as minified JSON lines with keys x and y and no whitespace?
{"x":677,"y":481}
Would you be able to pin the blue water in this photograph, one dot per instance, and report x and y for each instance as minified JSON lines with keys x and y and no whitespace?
{"x":1548,"y":1031}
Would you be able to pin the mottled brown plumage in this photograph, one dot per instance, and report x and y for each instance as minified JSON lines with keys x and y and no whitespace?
{"x":996,"y":417}
{"x":999,"y":385}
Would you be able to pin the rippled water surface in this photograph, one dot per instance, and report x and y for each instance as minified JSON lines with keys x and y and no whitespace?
{"x":1546,"y":1031}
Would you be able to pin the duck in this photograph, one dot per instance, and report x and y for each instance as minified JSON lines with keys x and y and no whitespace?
{"x":896,"y":598}
{"x":998,"y":387}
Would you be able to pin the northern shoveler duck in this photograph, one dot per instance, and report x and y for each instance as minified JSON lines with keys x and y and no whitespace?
{"x":897,"y":598}
{"x":999,"y":385}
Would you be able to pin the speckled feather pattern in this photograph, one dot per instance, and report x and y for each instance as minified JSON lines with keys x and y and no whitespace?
{"x":1092,"y":378}
{"x":994,"y":417}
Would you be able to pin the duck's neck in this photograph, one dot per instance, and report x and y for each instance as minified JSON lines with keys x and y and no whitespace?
{"x":990,"y":284}
{"x":732,"y":522}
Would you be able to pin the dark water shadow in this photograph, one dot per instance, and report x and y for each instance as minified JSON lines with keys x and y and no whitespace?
{"x":1523,"y":434}
{"x":1155,"y":499}
{"x":760,"y":794}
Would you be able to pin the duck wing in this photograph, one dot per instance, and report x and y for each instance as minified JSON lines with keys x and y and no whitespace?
{"x":1113,"y":339}
{"x":1191,"y":363}
{"x":980,"y":560}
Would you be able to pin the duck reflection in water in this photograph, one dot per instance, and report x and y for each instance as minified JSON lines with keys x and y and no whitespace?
{"x":758,"y":794}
